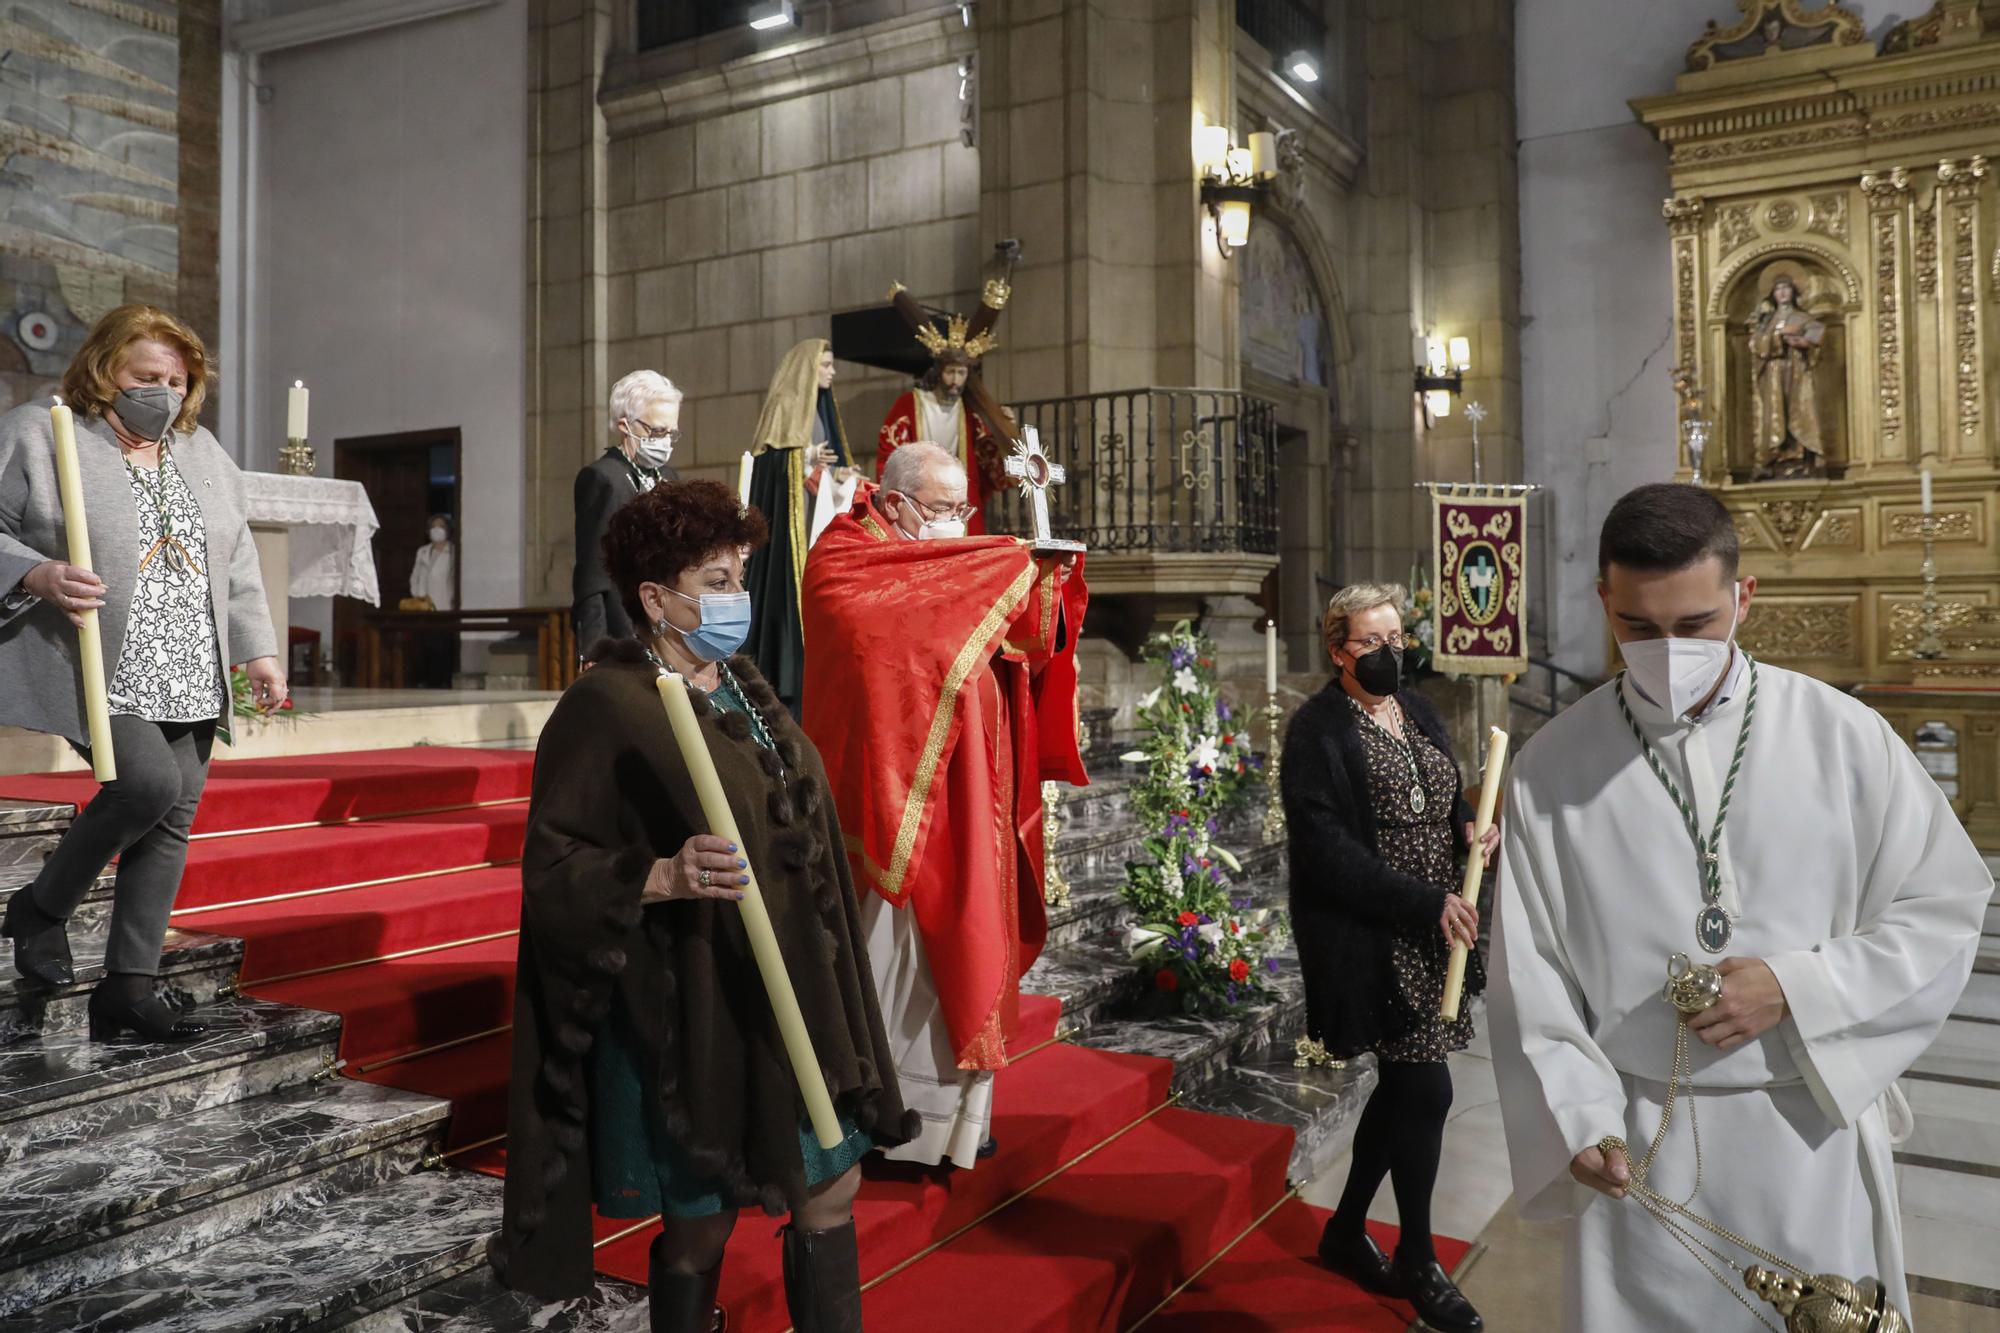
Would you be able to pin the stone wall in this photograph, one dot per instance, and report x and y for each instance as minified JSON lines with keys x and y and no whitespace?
{"x":742,"y":203}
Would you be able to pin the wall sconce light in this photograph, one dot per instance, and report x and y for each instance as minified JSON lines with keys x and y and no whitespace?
{"x":771,"y":14}
{"x":1303,"y":66}
{"x":1442,"y":373}
{"x":1233,"y":180}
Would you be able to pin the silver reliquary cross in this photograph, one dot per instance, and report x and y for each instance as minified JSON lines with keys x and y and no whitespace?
{"x":1032,"y":467}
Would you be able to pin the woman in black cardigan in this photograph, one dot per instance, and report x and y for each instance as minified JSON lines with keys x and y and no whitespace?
{"x":1378,"y":825}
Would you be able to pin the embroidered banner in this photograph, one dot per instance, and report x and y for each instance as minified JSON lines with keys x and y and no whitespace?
{"x":1479,"y":621}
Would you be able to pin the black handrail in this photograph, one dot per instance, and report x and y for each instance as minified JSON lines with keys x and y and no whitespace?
{"x":1156,"y":469}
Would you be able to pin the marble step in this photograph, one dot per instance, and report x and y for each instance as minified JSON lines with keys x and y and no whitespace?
{"x":1089,"y":976}
{"x":194,"y":965}
{"x":1321,"y":1104}
{"x":64,"y":1089}
{"x":1204,"y":1048}
{"x":125,"y":1202}
{"x":1093,"y":907}
{"x":476,"y":1303}
{"x":416,"y":1243}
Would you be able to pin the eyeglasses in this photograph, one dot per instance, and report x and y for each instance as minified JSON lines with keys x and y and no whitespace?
{"x":1375,"y":642}
{"x":671,"y":434}
{"x":962,"y":512}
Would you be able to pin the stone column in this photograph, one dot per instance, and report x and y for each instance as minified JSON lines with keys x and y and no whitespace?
{"x":1087,"y":117}
{"x":567,"y":280}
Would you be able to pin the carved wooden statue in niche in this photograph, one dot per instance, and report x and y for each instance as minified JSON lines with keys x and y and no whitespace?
{"x":1787,"y":372}
{"x":1785,"y":344}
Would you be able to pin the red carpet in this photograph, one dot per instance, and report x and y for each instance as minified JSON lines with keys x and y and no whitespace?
{"x":382,"y":886}
{"x":1271,"y":1281}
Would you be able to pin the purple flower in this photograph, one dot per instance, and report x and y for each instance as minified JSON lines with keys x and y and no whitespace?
{"x":1187,"y":865}
{"x":1232,"y":992}
{"x":1222,"y":710}
{"x":1271,"y":966}
{"x":1206,"y":918}
{"x":1241,"y":904}
{"x":1213,"y":827}
{"x":1180,"y":657}
{"x":1215,"y":874}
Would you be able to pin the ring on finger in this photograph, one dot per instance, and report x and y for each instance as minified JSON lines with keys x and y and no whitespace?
{"x":705,"y":878}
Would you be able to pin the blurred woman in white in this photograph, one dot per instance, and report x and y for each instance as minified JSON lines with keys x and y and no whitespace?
{"x":431,"y":576}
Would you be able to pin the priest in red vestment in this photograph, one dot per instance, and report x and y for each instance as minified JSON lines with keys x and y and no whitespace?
{"x":942,"y":695}
{"x":951,"y":405}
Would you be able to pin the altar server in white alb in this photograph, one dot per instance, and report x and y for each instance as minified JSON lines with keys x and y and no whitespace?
{"x":1842,"y":905}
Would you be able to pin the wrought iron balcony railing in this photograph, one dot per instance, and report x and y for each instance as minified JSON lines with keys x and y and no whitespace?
{"x":1156,"y":470}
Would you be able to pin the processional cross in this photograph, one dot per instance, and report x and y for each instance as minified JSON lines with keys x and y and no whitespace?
{"x":1033,"y":469}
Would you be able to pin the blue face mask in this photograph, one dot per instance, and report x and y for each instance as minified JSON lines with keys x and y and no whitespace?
{"x":725,"y":624}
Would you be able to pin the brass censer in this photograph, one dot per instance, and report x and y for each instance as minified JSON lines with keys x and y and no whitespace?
{"x":1810,"y":1303}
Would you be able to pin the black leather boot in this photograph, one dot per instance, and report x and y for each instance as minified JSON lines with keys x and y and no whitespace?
{"x":823,"y":1280}
{"x":128,"y":1002}
{"x":1439,"y":1302}
{"x":41,"y":942}
{"x":1356,"y":1257}
{"x":681,"y":1302}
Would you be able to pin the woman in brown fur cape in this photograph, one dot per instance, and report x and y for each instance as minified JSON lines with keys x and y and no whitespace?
{"x":649,"y":1076}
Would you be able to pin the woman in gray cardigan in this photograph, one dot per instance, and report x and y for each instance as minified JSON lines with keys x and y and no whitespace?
{"x":178,"y":597}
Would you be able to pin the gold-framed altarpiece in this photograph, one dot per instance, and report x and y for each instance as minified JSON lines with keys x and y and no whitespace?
{"x":1833,"y":240}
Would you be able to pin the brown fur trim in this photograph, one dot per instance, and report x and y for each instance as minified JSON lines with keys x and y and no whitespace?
{"x":779,"y":807}
{"x":734,"y":725}
{"x":609,"y":960}
{"x":623,"y":651}
{"x":568,"y":1136}
{"x":576,"y":1040}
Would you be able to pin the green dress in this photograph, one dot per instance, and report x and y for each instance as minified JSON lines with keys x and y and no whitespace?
{"x":637,"y":1168}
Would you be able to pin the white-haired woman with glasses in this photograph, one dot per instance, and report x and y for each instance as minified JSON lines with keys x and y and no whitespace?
{"x":646,"y":423}
{"x":1377,"y":825}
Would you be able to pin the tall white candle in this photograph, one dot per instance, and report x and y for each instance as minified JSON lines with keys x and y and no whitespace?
{"x":89,"y":637}
{"x":295,"y":410}
{"x":743,"y":479}
{"x":1271,"y":657}
{"x":1926,"y":481}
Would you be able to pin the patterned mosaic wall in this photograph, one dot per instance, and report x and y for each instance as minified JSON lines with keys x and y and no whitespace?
{"x":89,"y":185}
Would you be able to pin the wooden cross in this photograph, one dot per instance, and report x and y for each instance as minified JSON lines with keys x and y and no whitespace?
{"x":1032,"y":467}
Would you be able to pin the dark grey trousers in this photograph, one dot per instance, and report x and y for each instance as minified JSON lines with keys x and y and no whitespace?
{"x":142,"y":817}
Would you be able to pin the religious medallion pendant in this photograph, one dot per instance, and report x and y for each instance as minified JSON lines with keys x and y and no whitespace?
{"x":1416,"y":799}
{"x":1712,"y":928}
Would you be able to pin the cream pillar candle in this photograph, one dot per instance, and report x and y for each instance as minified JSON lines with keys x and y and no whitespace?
{"x":295,"y":410}
{"x":756,"y":916}
{"x":1925,"y":482}
{"x":1271,"y":657}
{"x":743,"y":479}
{"x":1475,"y":866}
{"x":89,"y":637}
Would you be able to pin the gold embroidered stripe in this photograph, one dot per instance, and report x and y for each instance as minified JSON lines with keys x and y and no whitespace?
{"x":969,"y":656}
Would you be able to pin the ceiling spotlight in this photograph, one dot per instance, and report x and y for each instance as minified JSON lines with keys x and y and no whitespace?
{"x":1303,"y":66}
{"x":772,"y":14}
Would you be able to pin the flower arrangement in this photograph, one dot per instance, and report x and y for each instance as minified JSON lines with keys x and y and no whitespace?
{"x":1197,"y":940}
{"x":1418,"y":629}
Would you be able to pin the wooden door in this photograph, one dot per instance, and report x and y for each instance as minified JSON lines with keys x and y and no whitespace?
{"x":408,"y":476}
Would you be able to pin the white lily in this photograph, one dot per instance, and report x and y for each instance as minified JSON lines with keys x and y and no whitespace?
{"x":1132,"y":757}
{"x":1206,"y":753}
{"x":1212,"y":932}
{"x":1185,"y":682}
{"x":1139,"y":941}
{"x":1150,"y":698}
{"x":1223,"y":855}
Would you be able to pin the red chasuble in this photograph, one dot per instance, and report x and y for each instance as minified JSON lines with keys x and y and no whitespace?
{"x":903,"y":424}
{"x":942,"y":693}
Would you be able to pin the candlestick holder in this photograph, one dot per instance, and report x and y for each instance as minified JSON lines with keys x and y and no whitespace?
{"x":1274,"y":809}
{"x":1930,"y":644}
{"x":1055,"y":884}
{"x":297,"y":458}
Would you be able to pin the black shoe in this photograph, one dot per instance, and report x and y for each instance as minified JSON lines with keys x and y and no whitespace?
{"x":823,"y":1280}
{"x":1356,"y":1257}
{"x":681,"y":1302}
{"x":1439,"y":1302}
{"x":41,"y":942}
{"x":127,"y":1002}
{"x":987,"y":1149}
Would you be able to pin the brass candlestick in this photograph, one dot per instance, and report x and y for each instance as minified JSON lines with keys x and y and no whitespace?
{"x":1274,"y":808}
{"x":297,"y":458}
{"x":1930,"y":645}
{"x":1055,"y":884}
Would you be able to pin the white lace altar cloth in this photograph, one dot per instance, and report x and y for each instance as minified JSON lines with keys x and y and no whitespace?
{"x":332,"y":532}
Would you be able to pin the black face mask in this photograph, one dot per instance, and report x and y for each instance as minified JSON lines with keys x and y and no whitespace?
{"x":1379,"y":672}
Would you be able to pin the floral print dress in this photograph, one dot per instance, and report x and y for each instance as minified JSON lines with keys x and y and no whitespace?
{"x":169,"y":667}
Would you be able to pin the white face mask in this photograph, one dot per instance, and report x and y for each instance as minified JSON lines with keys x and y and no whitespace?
{"x":439,"y":534}
{"x":941,"y":527}
{"x":1680,"y":673}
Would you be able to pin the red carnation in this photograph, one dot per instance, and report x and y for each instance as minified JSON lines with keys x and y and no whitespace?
{"x":1190,"y":919}
{"x":1239,"y":970}
{"x":1166,"y":980}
